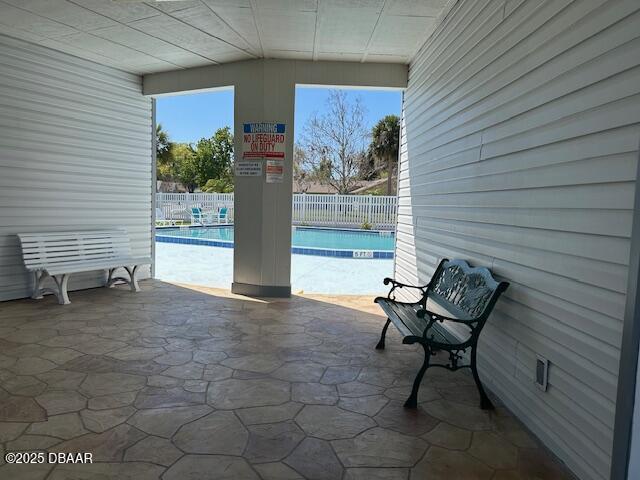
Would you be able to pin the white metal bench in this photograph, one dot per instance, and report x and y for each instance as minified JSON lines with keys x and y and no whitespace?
{"x":59,"y":254}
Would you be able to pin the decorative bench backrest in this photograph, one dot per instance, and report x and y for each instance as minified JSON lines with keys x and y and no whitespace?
{"x":468,"y":292}
{"x":40,"y":250}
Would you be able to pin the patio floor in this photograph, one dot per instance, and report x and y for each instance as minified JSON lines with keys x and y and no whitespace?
{"x":194,"y":383}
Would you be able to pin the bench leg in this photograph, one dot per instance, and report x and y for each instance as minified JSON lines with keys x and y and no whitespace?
{"x":37,"y":285}
{"x":110,"y":282}
{"x":61,"y":283}
{"x":380,"y":345}
{"x":485,"y":403}
{"x":132,"y":281}
{"x":412,"y":401}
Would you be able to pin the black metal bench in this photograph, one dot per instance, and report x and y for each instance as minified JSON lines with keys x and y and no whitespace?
{"x":457,"y":294}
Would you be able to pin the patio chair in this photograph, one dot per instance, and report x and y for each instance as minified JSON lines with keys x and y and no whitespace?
{"x":223,"y":215}
{"x":200,"y":217}
{"x":196,"y":215}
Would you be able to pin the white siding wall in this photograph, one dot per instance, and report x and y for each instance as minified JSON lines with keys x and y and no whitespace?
{"x":519,"y":150}
{"x":75,"y":152}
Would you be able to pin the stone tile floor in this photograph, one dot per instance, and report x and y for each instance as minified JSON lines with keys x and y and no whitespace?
{"x":193,"y":383}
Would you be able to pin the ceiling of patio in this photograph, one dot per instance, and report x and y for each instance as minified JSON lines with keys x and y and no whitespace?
{"x":154,"y":36}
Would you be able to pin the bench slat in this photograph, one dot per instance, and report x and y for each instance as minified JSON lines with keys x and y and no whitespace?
{"x":70,"y":254}
{"x":440,"y":334}
{"x":45,"y":262}
{"x":76,"y":267}
{"x":72,"y":233}
{"x":392,"y":310}
{"x":407,"y":314}
{"x":97,"y":242}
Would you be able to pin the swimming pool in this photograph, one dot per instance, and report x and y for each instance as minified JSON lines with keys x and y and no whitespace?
{"x":327,"y":242}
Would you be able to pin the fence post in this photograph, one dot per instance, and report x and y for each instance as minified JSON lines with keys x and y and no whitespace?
{"x":303,"y":207}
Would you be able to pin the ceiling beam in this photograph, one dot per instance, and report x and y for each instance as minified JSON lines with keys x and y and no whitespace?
{"x":305,"y":72}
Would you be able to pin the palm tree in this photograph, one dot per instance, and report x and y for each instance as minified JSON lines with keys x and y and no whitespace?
{"x":385,"y":141}
{"x":163,"y":144}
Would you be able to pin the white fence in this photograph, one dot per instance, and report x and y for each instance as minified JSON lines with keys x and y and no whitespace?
{"x":369,"y":211}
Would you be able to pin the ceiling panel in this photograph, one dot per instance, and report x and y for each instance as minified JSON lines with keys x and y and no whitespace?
{"x":228,"y":3}
{"x":65,"y":13}
{"x":123,"y":12}
{"x":388,"y":40}
{"x":242,"y":21}
{"x":154,"y":36}
{"x":205,"y":19}
{"x":189,"y":38}
{"x":421,"y":8}
{"x":290,"y":30}
{"x":377,"y":5}
{"x":288,"y":5}
{"x":106,"y":48}
{"x":345,"y":29}
{"x":150,"y":45}
{"x":23,"y":20}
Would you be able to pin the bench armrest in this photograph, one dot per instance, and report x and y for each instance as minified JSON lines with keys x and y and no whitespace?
{"x":395,"y":284}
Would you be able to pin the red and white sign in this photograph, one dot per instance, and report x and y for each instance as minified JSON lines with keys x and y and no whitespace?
{"x":275,"y":171}
{"x":263,"y":140}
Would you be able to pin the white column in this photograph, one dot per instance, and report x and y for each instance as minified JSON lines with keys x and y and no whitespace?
{"x":262,"y":251}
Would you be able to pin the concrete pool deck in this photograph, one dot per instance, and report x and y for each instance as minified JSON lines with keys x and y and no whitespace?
{"x":213,"y":267}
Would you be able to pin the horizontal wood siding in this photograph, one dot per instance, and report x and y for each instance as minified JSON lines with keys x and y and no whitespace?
{"x":520,"y":131}
{"x":75,"y":153}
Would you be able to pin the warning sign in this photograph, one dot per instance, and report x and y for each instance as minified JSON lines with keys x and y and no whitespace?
{"x":263,"y":140}
{"x":275,"y":171}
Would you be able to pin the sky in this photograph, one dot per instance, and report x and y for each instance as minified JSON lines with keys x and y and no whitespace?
{"x":188,"y":118}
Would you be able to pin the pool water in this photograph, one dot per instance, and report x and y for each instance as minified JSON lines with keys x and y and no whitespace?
{"x":307,"y":238}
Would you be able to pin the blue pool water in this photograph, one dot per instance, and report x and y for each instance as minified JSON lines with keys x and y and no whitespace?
{"x":310,"y":241}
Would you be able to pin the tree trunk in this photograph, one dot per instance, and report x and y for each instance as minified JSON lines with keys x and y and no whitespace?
{"x":389,"y":175}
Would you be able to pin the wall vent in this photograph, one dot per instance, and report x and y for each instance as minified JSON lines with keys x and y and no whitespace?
{"x":542,"y":373}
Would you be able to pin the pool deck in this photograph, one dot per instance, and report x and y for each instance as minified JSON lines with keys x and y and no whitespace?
{"x":213,"y":267}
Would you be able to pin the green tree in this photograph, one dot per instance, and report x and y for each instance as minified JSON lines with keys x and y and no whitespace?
{"x":208,"y":163}
{"x":185,"y":168}
{"x":385,"y":141}
{"x":164,"y":158}
{"x":214,"y":158}
{"x":219,"y":185}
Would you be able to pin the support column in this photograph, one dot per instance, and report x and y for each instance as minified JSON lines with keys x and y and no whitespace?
{"x":262,"y":217}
